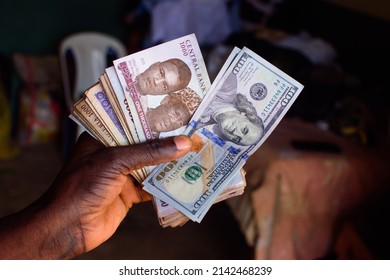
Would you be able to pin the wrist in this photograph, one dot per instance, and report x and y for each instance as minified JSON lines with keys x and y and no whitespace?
{"x":39,"y":232}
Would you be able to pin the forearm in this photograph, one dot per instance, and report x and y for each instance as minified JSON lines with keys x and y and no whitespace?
{"x":39,"y":233}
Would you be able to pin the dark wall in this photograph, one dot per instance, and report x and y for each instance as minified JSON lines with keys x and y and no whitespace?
{"x":360,"y":39}
{"x":37,"y":27}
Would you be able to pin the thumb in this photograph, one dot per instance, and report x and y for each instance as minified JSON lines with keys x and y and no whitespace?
{"x":129,"y":158}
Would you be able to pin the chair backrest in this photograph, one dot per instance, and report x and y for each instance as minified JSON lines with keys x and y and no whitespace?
{"x":83,"y":58}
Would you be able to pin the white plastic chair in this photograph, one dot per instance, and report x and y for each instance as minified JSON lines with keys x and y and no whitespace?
{"x":89,"y":52}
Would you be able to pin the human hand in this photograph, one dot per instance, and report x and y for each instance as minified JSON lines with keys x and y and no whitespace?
{"x":90,"y":196}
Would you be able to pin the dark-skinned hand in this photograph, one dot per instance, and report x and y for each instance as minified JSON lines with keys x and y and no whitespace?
{"x":87,"y":201}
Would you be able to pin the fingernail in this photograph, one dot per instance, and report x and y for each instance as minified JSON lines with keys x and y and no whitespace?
{"x":182,"y":142}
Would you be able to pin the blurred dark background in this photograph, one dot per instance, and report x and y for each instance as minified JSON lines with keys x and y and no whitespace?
{"x":338,"y":49}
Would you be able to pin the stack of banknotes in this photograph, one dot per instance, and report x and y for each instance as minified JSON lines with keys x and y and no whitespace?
{"x":165,"y":91}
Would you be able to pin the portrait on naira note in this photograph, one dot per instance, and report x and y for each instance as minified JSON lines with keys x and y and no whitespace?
{"x":166,"y":82}
{"x":174,"y":111}
{"x":163,"y":77}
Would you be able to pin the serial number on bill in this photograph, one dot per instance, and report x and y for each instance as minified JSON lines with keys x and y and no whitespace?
{"x":248,"y":270}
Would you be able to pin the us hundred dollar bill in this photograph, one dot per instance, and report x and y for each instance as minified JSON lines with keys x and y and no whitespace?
{"x":235,"y":119}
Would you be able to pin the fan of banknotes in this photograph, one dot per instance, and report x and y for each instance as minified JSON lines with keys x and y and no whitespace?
{"x":165,"y":91}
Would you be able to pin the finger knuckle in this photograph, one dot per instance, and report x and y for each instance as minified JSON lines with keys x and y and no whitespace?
{"x":154,"y":149}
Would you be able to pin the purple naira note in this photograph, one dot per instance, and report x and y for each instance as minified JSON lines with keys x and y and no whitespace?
{"x":130,"y":87}
{"x":101,"y":96}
